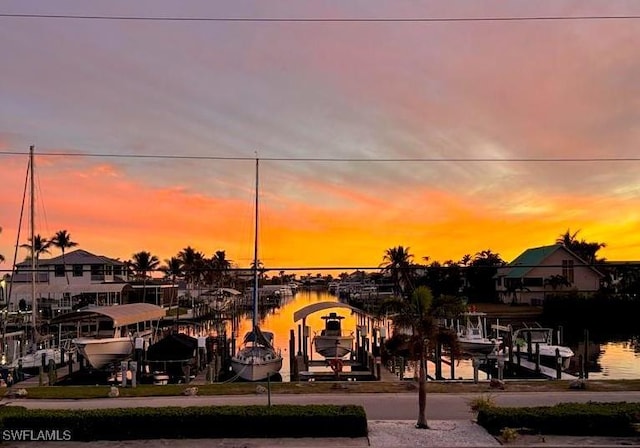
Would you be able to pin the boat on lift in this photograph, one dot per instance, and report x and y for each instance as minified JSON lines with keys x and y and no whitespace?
{"x":333,"y":341}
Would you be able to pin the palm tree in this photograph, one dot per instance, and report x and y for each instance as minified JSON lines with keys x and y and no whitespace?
{"x":62,"y":240}
{"x":173,"y":269}
{"x":582,"y":248}
{"x":193,"y":264}
{"x":419,"y":315}
{"x":397,"y":262}
{"x":220,"y":265}
{"x":142,"y":264}
{"x":40,"y":246}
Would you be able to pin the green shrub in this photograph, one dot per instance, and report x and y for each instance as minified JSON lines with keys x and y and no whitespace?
{"x":194,"y":422}
{"x":482,"y":402}
{"x":583,"y":419}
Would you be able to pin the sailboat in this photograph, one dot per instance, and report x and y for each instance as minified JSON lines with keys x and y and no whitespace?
{"x":257,"y":358}
{"x":40,"y":351}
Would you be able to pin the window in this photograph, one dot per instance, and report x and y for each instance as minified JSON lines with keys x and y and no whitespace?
{"x":59,"y":270}
{"x":532,"y":281}
{"x":567,"y":270}
{"x":77,"y":270}
{"x":108,"y":269}
{"x":117,"y":270}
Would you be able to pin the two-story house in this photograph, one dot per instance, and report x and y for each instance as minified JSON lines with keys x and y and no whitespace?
{"x":61,"y":284}
{"x":543,"y":270}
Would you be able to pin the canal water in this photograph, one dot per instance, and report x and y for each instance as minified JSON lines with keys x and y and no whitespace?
{"x":612,"y":359}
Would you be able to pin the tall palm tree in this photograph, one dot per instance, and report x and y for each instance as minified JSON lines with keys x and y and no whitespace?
{"x":62,"y":240}
{"x":142,"y":264}
{"x":40,"y":246}
{"x":193,"y":265}
{"x":419,"y":315}
{"x":397,"y":262}
{"x":173,"y":269}
{"x":220,"y":265}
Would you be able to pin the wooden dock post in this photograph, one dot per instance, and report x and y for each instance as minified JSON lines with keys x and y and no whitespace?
{"x":537,"y":357}
{"x":453,"y":366}
{"x":292,"y":358}
{"x":558,"y":364}
{"x":529,"y":347}
{"x":586,"y":354}
{"x":500,"y":367}
{"x":438,"y":361}
{"x":476,"y":367}
{"x":518,"y":354}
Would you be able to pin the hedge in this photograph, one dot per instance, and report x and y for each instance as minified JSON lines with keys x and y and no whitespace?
{"x":579,"y":419}
{"x":192,"y":422}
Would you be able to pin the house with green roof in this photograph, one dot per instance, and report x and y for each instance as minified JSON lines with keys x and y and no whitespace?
{"x":540,"y":271}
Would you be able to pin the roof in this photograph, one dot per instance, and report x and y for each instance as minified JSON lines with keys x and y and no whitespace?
{"x":120,"y":314}
{"x":528,"y":260}
{"x":532,"y":258}
{"x":319,"y":306}
{"x":78,"y":256}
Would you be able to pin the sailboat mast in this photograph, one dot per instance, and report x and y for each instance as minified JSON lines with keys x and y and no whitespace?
{"x":255,"y":252}
{"x":34,"y":307}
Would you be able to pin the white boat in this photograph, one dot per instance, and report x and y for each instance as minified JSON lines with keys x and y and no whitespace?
{"x":543,"y":338}
{"x":333,"y":342}
{"x":472,"y":336}
{"x":257,"y":359}
{"x":109,"y":334}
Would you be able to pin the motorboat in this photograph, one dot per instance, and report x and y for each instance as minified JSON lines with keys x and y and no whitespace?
{"x":333,"y":342}
{"x":472,"y":336}
{"x":528,"y":338}
{"x":109,"y":334}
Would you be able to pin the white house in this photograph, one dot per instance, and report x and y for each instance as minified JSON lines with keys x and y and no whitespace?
{"x":60,"y":284}
{"x":543,"y":270}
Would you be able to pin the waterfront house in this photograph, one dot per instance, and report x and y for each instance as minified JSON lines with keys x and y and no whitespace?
{"x":80,"y":279}
{"x":545,"y":270}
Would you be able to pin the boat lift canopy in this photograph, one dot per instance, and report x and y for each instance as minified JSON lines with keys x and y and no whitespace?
{"x":121,"y":315}
{"x":319,"y":306}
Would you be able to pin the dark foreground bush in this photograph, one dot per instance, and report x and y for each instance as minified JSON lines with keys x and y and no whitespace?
{"x":192,"y":422}
{"x":580,"y":419}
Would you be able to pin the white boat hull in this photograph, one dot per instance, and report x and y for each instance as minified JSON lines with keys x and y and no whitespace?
{"x":256,"y":364}
{"x":548,"y":355}
{"x":101,"y":352}
{"x":333,"y":346}
{"x":32,"y":361}
{"x":480,"y":347}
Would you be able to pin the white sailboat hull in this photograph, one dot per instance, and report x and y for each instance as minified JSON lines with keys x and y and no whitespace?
{"x":101,"y":352}
{"x":333,"y":346}
{"x":256,"y":364}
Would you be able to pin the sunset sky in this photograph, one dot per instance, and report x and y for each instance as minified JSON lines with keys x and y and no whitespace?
{"x":349,"y":119}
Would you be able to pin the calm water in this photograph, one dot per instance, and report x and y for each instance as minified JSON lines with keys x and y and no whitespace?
{"x":609,"y":360}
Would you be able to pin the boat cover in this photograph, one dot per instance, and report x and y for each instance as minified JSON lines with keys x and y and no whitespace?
{"x":121,"y":315}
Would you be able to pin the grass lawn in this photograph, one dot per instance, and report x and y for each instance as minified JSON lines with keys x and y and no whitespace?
{"x":80,"y":392}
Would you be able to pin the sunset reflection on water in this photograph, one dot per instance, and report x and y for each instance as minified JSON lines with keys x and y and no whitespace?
{"x":610,"y":360}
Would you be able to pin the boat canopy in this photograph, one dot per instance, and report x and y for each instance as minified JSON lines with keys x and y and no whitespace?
{"x":121,"y":315}
{"x":319,"y":306}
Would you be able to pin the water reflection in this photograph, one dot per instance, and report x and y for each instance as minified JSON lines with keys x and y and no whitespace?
{"x":608,"y":359}
{"x":280,"y":321}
